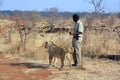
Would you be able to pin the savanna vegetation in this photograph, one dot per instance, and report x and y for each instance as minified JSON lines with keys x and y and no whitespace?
{"x":26,"y":31}
{"x":22,"y":44}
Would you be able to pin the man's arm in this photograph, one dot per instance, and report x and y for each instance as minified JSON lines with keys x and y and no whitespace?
{"x":80,"y":30}
{"x":75,"y":33}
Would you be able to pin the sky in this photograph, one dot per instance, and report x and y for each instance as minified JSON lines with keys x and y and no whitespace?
{"x":61,"y":5}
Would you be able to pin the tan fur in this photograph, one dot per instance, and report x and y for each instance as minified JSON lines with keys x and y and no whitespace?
{"x":57,"y":52}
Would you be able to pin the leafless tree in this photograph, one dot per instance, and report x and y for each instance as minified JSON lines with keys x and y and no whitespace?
{"x":52,"y":17}
{"x":111,"y":21}
{"x":25,"y":22}
{"x":1,"y":2}
{"x":97,"y":4}
{"x":98,"y":8}
{"x":23,"y":29}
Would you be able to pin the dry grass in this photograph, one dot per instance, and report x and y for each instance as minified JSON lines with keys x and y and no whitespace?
{"x":100,"y":44}
{"x":95,"y":70}
{"x":94,"y":45}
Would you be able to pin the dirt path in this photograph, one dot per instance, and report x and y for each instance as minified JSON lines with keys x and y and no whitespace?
{"x":15,"y":69}
{"x":20,"y":69}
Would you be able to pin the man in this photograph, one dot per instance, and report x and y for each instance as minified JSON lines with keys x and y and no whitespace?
{"x":77,"y":34}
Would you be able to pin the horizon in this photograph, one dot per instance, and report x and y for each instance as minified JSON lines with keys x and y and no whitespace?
{"x":57,"y":12}
{"x":62,"y":6}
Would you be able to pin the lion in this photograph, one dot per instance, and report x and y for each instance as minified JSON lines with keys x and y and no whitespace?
{"x":57,"y":52}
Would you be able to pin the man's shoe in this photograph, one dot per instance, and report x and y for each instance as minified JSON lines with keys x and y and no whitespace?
{"x":74,"y":64}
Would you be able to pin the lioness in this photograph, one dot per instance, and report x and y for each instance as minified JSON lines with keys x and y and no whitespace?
{"x":57,"y":52}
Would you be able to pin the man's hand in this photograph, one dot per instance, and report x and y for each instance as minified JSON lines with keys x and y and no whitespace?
{"x":80,"y":33}
{"x":70,"y":33}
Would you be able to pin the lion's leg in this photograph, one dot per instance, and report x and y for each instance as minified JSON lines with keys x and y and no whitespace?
{"x":62,"y":62}
{"x":50,"y":61}
{"x":69,"y":59}
{"x":55,"y":61}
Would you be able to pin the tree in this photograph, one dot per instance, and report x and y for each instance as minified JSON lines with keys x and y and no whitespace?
{"x":25,"y":22}
{"x":97,"y":4}
{"x":24,"y":30}
{"x":52,"y":14}
{"x":98,"y":8}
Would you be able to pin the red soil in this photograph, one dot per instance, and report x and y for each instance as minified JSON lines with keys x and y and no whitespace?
{"x":9,"y":71}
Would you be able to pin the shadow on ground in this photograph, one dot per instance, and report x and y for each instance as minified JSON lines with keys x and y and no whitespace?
{"x":31,"y":65}
{"x":111,"y":57}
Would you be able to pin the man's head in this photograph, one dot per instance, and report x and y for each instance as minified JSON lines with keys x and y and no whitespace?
{"x":75,"y":17}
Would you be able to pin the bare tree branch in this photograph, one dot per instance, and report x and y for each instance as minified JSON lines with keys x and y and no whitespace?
{"x":97,"y":4}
